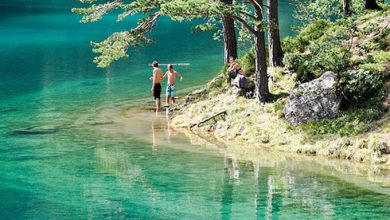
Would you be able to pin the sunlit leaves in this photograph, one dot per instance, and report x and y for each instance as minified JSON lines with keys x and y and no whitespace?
{"x":116,"y":46}
{"x":95,"y":12}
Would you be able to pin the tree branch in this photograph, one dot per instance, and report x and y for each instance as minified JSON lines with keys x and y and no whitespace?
{"x":247,"y":14}
{"x":243,"y":22}
{"x":256,"y":5}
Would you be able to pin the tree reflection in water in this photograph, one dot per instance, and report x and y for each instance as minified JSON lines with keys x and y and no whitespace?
{"x":170,"y":174}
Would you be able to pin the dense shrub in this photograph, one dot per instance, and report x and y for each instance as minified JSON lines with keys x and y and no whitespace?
{"x":378,"y":62}
{"x":321,"y":57}
{"x":318,"y":48}
{"x":293,"y":60}
{"x":315,"y":30}
{"x":247,"y":62}
{"x":361,"y":85}
{"x":309,"y":33}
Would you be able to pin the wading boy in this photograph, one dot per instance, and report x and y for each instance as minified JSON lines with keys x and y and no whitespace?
{"x":156,"y":84}
{"x":171,"y":74}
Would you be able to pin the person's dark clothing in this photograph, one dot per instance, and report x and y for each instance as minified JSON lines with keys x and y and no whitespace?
{"x":157,"y":91}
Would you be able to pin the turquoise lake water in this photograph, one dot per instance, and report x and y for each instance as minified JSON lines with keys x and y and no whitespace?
{"x":70,"y":149}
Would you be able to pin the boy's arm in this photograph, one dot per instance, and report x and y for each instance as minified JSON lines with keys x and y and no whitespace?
{"x":178,"y":74}
{"x":229,"y":68}
{"x":153,"y":80}
{"x":165,"y":75}
{"x":236,"y":66}
{"x":232,"y":66}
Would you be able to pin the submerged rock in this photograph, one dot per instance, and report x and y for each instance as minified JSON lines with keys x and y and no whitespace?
{"x":34,"y":131}
{"x":314,"y":100}
{"x":6,"y":110}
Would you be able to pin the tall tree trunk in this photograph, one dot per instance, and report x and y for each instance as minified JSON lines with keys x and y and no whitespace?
{"x":260,"y":60}
{"x":229,"y":35}
{"x":347,"y":7}
{"x":371,"y":4}
{"x":275,"y":47}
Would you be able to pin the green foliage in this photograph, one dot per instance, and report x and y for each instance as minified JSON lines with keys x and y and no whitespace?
{"x":381,"y":57}
{"x":352,"y":122}
{"x":314,"y":30}
{"x":361,"y":85}
{"x":294,"y":60}
{"x":309,"y":10}
{"x":96,"y":12}
{"x":277,"y":107}
{"x":321,"y":57}
{"x":299,"y":50}
{"x":247,"y":62}
{"x":223,"y":70}
{"x":308,"y":34}
{"x":373,"y":67}
{"x":117,"y":45}
{"x":203,"y":28}
{"x":319,"y":47}
{"x":282,"y":82}
{"x":216,"y":84}
{"x":277,"y":74}
{"x":292,"y":44}
{"x":378,"y":62}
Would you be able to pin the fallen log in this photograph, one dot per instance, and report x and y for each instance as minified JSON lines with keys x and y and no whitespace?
{"x":215,"y":118}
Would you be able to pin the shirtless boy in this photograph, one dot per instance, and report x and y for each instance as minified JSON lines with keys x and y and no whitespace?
{"x":171,"y":74}
{"x":156,"y":85}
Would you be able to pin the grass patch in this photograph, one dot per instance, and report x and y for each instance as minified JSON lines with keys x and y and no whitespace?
{"x":351,"y":122}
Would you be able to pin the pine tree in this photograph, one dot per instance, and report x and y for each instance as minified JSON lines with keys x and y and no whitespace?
{"x":229,"y":35}
{"x":116,"y":46}
{"x":275,"y":47}
{"x":347,"y":8}
{"x":371,"y":4}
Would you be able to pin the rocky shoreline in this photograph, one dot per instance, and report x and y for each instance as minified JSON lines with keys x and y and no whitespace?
{"x":316,"y":108}
{"x":244,"y":124}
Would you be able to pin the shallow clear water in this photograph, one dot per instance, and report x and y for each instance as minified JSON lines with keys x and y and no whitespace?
{"x":70,"y":148}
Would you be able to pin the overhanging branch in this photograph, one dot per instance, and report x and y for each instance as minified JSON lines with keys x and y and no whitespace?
{"x":243,"y":22}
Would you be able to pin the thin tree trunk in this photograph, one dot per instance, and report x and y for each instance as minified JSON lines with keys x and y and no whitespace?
{"x":260,"y":60}
{"x":229,"y":35}
{"x":371,"y":4}
{"x":275,"y":47}
{"x":347,"y":8}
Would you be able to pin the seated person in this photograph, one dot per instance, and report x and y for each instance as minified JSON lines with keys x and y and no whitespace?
{"x":232,"y":71}
{"x":239,"y":81}
{"x":243,"y":86}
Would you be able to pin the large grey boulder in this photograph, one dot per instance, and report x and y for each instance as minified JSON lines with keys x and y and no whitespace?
{"x":314,"y":100}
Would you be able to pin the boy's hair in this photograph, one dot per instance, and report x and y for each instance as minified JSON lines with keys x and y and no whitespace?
{"x":170,"y":66}
{"x":155,"y":64}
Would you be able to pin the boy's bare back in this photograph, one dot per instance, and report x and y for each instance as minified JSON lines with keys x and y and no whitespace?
{"x":158,"y":75}
{"x":172,"y":77}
